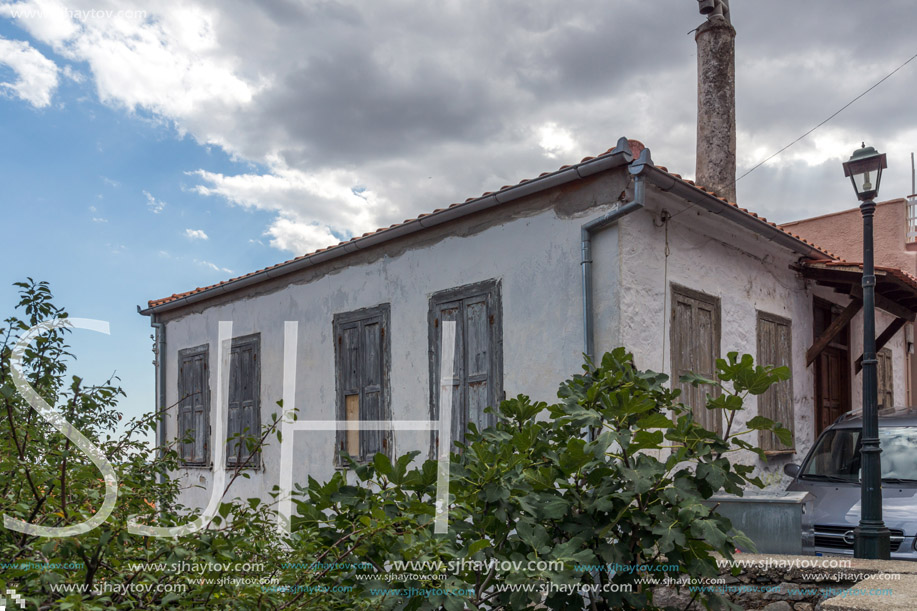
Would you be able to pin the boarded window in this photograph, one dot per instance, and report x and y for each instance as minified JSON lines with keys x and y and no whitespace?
{"x":477,"y":376}
{"x":695,"y":337}
{"x":775,"y":348}
{"x":243,"y":430}
{"x":885,"y":379}
{"x":362,"y":370}
{"x":194,"y":405}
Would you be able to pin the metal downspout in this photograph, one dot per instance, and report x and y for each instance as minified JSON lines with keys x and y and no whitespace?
{"x":160,"y":363}
{"x":586,"y":232}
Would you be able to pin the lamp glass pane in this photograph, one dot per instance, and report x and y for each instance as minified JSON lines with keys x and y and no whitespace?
{"x":864,"y":181}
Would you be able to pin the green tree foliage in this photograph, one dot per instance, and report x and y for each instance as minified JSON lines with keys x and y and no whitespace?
{"x":617,"y":472}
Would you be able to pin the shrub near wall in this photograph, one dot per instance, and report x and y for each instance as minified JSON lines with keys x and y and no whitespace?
{"x":541,"y":504}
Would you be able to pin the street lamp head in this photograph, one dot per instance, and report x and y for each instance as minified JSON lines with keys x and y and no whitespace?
{"x":865,"y":171}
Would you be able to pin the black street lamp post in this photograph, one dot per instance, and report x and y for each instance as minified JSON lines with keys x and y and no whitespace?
{"x":871,"y":536}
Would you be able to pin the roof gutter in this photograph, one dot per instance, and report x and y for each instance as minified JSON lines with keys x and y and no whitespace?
{"x":620,"y":156}
{"x":666,"y":182}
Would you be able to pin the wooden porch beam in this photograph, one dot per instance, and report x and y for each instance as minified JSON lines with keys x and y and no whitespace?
{"x":884,"y":303}
{"x":889,"y":333}
{"x":833,"y":329}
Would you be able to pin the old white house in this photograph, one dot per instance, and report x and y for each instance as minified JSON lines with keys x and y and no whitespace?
{"x":611,"y":251}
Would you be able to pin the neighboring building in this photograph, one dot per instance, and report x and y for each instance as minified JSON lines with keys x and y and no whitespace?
{"x":611,"y":251}
{"x":895,"y":237}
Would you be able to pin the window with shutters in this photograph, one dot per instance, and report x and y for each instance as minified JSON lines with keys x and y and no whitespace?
{"x":362,"y":356}
{"x":194,"y":405}
{"x":243,"y":428}
{"x":884,"y":378}
{"x":775,"y":349}
{"x":695,"y":338}
{"x":477,"y":376}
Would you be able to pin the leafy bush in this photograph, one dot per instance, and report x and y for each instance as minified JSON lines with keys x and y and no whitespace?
{"x":615,"y":473}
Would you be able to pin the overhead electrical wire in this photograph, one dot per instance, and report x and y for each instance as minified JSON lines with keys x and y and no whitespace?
{"x":839,"y":111}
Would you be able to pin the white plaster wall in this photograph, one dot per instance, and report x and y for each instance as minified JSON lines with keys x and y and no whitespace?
{"x":606,"y":290}
{"x":537,"y":259}
{"x":747,"y":274}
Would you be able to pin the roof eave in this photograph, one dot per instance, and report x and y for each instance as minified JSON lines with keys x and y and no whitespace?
{"x":665,"y":181}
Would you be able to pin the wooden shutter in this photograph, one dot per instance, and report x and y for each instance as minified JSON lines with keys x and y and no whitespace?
{"x":477,"y":337}
{"x":371,"y":407}
{"x":452,"y":311}
{"x":244,"y":418}
{"x":194,"y":405}
{"x":348,"y":339}
{"x":775,"y":348}
{"x":477,"y":362}
{"x":885,"y":379}
{"x":695,"y":339}
{"x":361,"y":363}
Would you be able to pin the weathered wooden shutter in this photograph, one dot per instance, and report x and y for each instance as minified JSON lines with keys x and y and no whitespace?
{"x":194,"y":404}
{"x":361,"y":354}
{"x":775,"y":348}
{"x":185,"y":408}
{"x":885,"y":379}
{"x":695,"y":338}
{"x":371,"y":406}
{"x":477,"y":366}
{"x":233,"y":424}
{"x":244,"y":418}
{"x":348,"y":339}
{"x":477,"y":337}
{"x":452,"y":312}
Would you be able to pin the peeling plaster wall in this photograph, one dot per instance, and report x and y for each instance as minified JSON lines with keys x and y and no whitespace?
{"x":747,"y":274}
{"x":703,"y":256}
{"x":534,"y":252}
{"x":533,"y":248}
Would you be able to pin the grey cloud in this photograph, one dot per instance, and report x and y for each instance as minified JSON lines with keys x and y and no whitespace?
{"x":430,"y":103}
{"x":351,"y":109}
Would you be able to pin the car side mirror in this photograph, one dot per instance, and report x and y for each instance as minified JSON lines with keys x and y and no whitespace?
{"x":791,"y":469}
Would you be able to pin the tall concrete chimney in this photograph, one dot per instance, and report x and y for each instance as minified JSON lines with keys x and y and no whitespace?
{"x":716,"y":100}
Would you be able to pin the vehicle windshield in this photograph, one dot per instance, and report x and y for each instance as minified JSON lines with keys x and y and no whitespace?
{"x":837,"y":455}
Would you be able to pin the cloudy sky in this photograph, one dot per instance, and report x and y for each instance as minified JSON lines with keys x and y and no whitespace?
{"x":148,"y":148}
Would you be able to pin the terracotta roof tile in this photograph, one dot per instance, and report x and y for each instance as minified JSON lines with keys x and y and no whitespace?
{"x":900,"y":274}
{"x":752,"y":214}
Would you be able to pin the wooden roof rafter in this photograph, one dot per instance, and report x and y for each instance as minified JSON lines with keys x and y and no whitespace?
{"x":896,"y":293}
